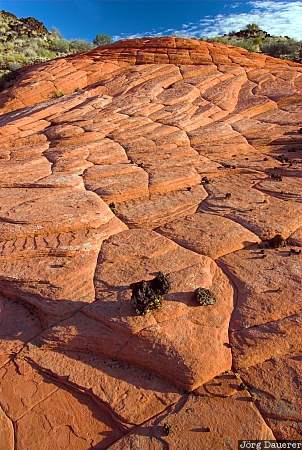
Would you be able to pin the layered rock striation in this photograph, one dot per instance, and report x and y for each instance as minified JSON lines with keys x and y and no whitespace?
{"x":163,"y":155}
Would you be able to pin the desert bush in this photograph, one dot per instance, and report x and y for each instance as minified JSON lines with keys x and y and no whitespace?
{"x":102,"y":39}
{"x":281,"y":48}
{"x":252,"y":27}
{"x":43,"y":52}
{"x":10,"y":46}
{"x":30,"y":53}
{"x":13,"y":65}
{"x":79,"y":46}
{"x":58,"y":94}
{"x":251,"y":44}
{"x":59,"y":45}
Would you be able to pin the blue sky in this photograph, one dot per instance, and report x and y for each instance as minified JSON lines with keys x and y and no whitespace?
{"x":135,"y":18}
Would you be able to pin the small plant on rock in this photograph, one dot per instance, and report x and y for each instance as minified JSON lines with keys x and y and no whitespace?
{"x":58,"y":94}
{"x":148,"y":295}
{"x":102,"y":39}
{"x":276,"y":177}
{"x":205,"y":297}
{"x":112,"y":206}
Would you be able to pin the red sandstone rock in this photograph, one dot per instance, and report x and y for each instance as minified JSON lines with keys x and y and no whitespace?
{"x":6,"y":432}
{"x":276,"y":387}
{"x":17,"y":326}
{"x":159,"y":342}
{"x":209,"y":234}
{"x":200,"y":423}
{"x":196,"y":147}
{"x":133,"y":395}
{"x":66,"y":419}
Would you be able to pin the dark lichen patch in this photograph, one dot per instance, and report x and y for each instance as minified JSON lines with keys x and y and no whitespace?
{"x":275,"y":242}
{"x":275,"y":177}
{"x":147,"y":296}
{"x":205,"y":297}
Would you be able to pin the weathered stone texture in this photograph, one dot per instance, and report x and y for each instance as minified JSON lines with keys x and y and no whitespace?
{"x":163,"y":155}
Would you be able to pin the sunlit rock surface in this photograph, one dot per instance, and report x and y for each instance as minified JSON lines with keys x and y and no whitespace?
{"x":163,"y":155}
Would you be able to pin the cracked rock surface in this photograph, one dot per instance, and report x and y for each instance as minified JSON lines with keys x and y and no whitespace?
{"x":164,"y":155}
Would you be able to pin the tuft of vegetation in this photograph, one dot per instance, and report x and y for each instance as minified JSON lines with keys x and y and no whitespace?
{"x":102,"y":39}
{"x":147,"y":296}
{"x":252,"y":38}
{"x":112,"y":206}
{"x":58,"y":94}
{"x":205,"y":297}
{"x":27,"y":41}
{"x":275,"y":176}
{"x":280,"y":48}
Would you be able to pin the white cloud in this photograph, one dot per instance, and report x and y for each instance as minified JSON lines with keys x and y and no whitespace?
{"x":278,"y":17}
{"x":233,"y":6}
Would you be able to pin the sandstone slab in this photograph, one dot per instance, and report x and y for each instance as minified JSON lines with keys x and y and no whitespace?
{"x":276,"y":388}
{"x":198,"y":421}
{"x":131,"y":394}
{"x":18,"y":326}
{"x":6,"y":432}
{"x":209,"y":234}
{"x":200,"y":142}
{"x":167,"y":342}
{"x":66,"y":419}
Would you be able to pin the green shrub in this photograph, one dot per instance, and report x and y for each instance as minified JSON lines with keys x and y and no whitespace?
{"x":251,"y":44}
{"x":13,"y":65}
{"x":30,"y":53}
{"x":102,"y":39}
{"x":45,"y":53}
{"x":59,"y":45}
{"x":79,"y":46}
{"x":252,"y":27}
{"x":281,"y":48}
{"x":58,"y":94}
